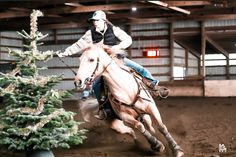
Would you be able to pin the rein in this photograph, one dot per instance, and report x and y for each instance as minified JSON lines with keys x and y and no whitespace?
{"x":90,"y":79}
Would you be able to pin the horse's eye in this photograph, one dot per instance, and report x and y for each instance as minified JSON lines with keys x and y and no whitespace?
{"x":91,"y":60}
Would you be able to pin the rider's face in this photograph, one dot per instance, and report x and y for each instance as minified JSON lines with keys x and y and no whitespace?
{"x":99,"y":24}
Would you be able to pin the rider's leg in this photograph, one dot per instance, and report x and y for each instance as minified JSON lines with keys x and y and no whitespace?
{"x":151,"y":82}
{"x":141,"y":70}
{"x":98,"y":87}
{"x":104,"y":104}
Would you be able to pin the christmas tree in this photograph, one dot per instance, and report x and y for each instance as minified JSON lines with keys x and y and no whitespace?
{"x":32,"y":116}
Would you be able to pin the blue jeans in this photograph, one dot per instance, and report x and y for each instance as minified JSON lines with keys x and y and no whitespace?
{"x":98,"y":84}
{"x":140,"y":69}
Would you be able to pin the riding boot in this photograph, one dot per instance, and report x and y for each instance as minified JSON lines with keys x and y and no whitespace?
{"x":156,"y":91}
{"x":101,"y":114}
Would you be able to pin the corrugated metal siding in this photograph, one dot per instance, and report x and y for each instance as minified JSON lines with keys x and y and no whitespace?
{"x":150,"y":43}
{"x":162,"y":78}
{"x":53,"y":47}
{"x":9,"y":43}
{"x":152,"y":61}
{"x":185,"y":24}
{"x":211,"y":23}
{"x":192,"y":71}
{"x":179,"y":61}
{"x":55,"y":62}
{"x":232,"y":70}
{"x":66,"y":73}
{"x":149,"y":26}
{"x":67,"y":85}
{"x":179,"y":52}
{"x":161,"y":70}
{"x":215,"y":70}
{"x":149,"y":33}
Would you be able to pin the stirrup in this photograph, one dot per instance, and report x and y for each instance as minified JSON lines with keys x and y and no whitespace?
{"x":162,"y":92}
{"x":101,"y":115}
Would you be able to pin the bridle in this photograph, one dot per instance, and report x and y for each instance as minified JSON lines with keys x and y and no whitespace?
{"x":90,"y":79}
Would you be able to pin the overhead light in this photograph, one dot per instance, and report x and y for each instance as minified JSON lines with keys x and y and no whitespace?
{"x":73,"y":4}
{"x":134,"y":8}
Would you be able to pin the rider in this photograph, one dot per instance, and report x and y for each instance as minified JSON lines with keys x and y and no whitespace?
{"x":104,"y":32}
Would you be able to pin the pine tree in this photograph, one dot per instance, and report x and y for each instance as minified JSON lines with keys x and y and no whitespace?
{"x":32,"y":116}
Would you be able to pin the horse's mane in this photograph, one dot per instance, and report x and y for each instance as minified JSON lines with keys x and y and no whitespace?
{"x":113,"y":53}
{"x":109,"y":50}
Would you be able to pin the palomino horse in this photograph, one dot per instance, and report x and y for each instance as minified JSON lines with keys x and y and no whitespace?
{"x":128,"y":97}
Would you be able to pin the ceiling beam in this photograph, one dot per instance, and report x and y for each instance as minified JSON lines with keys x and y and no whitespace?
{"x":217,"y":46}
{"x":172,"y":19}
{"x":163,"y":4}
{"x":13,"y":14}
{"x":187,"y":3}
{"x":85,"y":9}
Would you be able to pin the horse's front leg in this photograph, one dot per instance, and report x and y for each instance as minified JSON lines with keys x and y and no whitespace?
{"x":120,"y":127}
{"x":156,"y":145}
{"x":154,"y":112}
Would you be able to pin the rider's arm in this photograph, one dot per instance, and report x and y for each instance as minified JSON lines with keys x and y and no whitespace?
{"x":78,"y":46}
{"x":125,"y":39}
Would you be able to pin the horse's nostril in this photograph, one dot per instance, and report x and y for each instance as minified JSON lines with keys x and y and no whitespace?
{"x":78,"y":83}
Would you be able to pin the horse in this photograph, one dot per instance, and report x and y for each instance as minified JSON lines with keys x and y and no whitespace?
{"x":128,"y":96}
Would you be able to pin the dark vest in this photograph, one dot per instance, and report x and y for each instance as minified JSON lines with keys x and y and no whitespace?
{"x":109,"y":36}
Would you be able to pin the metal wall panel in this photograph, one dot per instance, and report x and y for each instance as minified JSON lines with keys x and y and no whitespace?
{"x":67,"y":85}
{"x":149,"y":26}
{"x":66,"y":73}
{"x":179,"y":52}
{"x":179,"y":61}
{"x":149,"y":33}
{"x":215,"y":70}
{"x":162,"y":78}
{"x":152,"y":61}
{"x":150,"y":43}
{"x":185,"y":24}
{"x":211,"y":23}
{"x":160,"y":70}
{"x":232,"y":70}
{"x":192,"y":71}
{"x":55,"y":62}
{"x":53,"y":47}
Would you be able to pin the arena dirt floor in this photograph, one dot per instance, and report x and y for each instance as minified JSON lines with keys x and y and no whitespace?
{"x":199,"y":125}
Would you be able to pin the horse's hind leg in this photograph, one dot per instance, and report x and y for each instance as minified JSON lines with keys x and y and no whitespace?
{"x":120,"y":127}
{"x":155,"y":144}
{"x":178,"y":152}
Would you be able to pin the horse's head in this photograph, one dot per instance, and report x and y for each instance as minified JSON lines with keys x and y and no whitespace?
{"x":92,"y":63}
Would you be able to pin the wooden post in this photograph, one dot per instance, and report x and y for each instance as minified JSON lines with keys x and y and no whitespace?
{"x":186,"y":62}
{"x":227,"y":68}
{"x":55,"y":36}
{"x":128,"y":30}
{"x":171,"y":44}
{"x":203,"y":52}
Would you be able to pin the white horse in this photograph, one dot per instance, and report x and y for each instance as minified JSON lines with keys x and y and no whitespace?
{"x":128,"y":97}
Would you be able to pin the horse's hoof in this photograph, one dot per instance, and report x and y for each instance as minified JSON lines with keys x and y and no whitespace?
{"x":159,"y":147}
{"x":179,"y":152}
